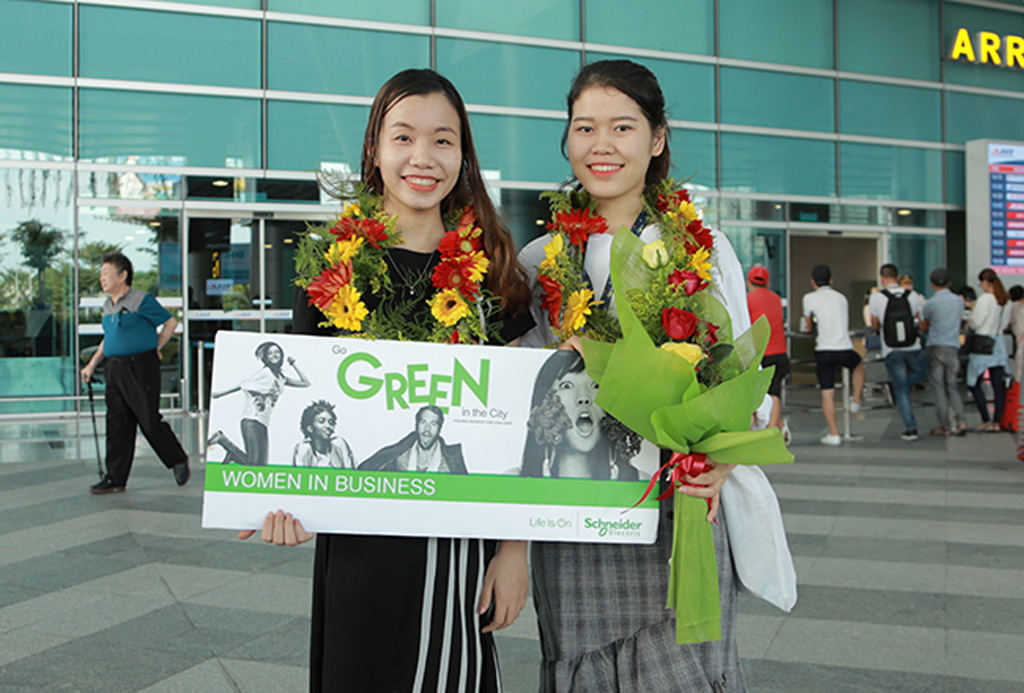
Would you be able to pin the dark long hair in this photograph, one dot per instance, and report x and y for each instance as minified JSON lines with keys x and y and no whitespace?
{"x":636,"y":82}
{"x":548,"y":422}
{"x":506,"y":277}
{"x":998,"y":290}
{"x":261,"y":354}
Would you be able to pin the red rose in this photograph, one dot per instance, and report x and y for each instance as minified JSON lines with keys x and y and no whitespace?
{"x":689,"y":281}
{"x":712,"y":333}
{"x":701,"y":236}
{"x":677,"y":323}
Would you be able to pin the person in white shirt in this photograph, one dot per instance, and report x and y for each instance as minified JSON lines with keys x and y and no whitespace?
{"x":989,"y":318}
{"x":906,"y":364}
{"x":827,"y":313}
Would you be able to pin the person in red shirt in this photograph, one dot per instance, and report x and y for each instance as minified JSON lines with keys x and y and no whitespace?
{"x":763,"y":301}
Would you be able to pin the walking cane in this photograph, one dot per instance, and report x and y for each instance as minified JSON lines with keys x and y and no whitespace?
{"x":95,"y":431}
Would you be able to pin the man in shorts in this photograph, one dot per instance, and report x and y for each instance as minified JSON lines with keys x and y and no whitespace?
{"x":827,"y":313}
{"x":763,"y":301}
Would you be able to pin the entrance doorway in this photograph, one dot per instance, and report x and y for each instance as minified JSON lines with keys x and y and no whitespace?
{"x":854,"y":261}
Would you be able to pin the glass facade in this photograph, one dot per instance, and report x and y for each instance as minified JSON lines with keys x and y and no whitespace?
{"x":817,"y":114}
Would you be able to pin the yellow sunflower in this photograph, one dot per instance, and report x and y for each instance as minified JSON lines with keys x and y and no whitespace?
{"x":552,"y":250}
{"x":347,"y":311}
{"x":577,"y":308}
{"x":700,"y":263}
{"x":479,"y":267}
{"x":343,"y":251}
{"x":448,"y":307}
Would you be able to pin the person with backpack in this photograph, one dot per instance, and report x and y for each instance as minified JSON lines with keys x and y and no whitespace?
{"x":893,"y":315}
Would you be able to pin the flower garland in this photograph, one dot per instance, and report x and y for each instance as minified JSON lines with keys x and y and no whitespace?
{"x":670,"y":295}
{"x":341,"y":264}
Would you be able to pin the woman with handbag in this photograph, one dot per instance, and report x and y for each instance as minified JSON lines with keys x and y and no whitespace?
{"x":989,"y":318}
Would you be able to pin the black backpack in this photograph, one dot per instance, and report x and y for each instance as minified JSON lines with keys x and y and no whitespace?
{"x":898,"y":328}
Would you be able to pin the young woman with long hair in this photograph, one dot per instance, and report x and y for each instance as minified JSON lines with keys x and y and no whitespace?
{"x":990,"y":316}
{"x":601,"y":607}
{"x":404,"y":613}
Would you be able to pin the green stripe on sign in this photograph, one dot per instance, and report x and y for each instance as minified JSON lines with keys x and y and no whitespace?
{"x":466,"y":488}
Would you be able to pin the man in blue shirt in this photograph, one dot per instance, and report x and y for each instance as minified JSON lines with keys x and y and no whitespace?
{"x":941,"y":318}
{"x":132,"y":347}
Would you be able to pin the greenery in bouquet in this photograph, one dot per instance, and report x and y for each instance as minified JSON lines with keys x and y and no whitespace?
{"x":343,"y":267}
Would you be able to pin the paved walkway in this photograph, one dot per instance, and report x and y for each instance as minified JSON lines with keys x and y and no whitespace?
{"x":910,"y":557}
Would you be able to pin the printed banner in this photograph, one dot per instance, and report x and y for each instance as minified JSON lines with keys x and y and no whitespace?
{"x":405,"y":438}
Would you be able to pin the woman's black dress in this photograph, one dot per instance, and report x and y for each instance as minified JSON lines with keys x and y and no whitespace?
{"x":399,"y":614}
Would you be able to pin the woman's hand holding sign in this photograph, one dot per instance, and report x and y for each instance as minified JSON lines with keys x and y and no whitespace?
{"x":281,"y":529}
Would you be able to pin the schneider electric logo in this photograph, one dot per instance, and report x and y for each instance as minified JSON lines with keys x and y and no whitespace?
{"x":616,"y":528}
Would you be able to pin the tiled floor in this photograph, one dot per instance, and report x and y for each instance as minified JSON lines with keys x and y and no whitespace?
{"x":910,"y":557}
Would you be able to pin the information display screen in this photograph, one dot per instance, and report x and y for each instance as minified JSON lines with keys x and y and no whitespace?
{"x":1006,"y":203}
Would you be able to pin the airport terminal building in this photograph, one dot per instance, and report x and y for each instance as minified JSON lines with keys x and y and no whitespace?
{"x":187,"y":133}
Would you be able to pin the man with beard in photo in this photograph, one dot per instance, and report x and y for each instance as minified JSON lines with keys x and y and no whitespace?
{"x":423,"y":450}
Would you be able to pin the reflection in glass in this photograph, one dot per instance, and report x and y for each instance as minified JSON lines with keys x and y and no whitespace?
{"x":129,"y":185}
{"x":917,"y":255}
{"x":36,"y":123}
{"x":36,"y":279}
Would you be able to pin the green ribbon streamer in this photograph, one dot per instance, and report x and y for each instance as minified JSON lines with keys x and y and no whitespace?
{"x":658,"y":395}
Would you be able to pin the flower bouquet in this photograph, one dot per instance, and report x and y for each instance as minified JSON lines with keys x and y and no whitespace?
{"x":700,"y":385}
{"x":344,"y":269}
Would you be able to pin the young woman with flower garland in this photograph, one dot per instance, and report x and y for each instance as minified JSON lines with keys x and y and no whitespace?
{"x":401,"y":613}
{"x":601,"y":608}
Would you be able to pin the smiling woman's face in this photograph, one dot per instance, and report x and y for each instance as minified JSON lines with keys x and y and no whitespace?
{"x":576,"y":391}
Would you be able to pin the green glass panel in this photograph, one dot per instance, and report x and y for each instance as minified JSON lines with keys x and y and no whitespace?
{"x":771,"y":99}
{"x":782,"y":165}
{"x":399,"y":11}
{"x":955,"y":180}
{"x":693,"y":157}
{"x":35,"y":119}
{"x":28,"y":25}
{"x":237,"y":4}
{"x":554,"y":19}
{"x":890,"y":173}
{"x":917,"y":255}
{"x":36,"y":285}
{"x":502,"y":74}
{"x":765,"y":247}
{"x":181,"y":48}
{"x":884,"y":110}
{"x":515,"y":148}
{"x":897,"y":38}
{"x":794,"y":32}
{"x":976,"y":19}
{"x":300,"y":136}
{"x":689,"y":88}
{"x":301,"y":57}
{"x":972,"y":116}
{"x":681,"y":26}
{"x":169,"y":129}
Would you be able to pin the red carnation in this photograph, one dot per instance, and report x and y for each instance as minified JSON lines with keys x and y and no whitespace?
{"x":370,"y":229}
{"x":579,"y":224}
{"x":325,"y":287}
{"x":673,"y":199}
{"x":690,"y":281}
{"x":552,"y":300}
{"x":701,"y":234}
{"x":456,"y":273}
{"x":677,"y":323}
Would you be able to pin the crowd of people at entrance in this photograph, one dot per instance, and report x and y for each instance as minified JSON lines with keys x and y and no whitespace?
{"x":971,"y":334}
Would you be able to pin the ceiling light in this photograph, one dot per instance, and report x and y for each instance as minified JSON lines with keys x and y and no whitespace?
{"x":539,"y":222}
{"x":268,"y":246}
{"x":154,"y":223}
{"x":904,"y":212}
{"x":220,"y":183}
{"x":289,"y":240}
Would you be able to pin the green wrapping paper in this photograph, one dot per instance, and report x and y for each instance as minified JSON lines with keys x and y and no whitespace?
{"x":658,"y":395}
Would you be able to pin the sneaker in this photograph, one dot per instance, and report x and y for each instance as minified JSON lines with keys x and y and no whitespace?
{"x":854,"y":407}
{"x":105,"y":486}
{"x":831,"y":440}
{"x":909,"y":434}
{"x":787,"y":435}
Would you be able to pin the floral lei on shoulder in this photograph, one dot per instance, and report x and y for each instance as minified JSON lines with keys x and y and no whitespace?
{"x":339,"y":264}
{"x":670,"y":297}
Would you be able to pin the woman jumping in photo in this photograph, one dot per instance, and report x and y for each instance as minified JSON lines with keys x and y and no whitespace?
{"x":262,"y":390}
